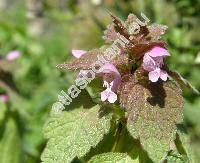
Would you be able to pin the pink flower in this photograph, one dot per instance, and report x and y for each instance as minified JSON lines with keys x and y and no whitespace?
{"x":78,"y":53}
{"x":108,"y":94}
{"x":12,"y":55}
{"x":4,"y":98}
{"x":111,"y":69}
{"x":153,"y":61}
{"x":107,"y":68}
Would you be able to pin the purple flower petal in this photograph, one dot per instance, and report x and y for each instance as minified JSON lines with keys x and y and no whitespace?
{"x":12,"y":55}
{"x":78,"y":53}
{"x":104,"y":95}
{"x":154,"y":75}
{"x":158,"y":52}
{"x":112,"y":97}
{"x":148,"y":63}
{"x":163,"y":75}
{"x":110,"y":68}
{"x":108,"y":94}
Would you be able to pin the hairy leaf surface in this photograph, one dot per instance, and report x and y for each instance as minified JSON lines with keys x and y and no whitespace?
{"x":72,"y":134}
{"x":154,"y":110}
{"x":111,"y":158}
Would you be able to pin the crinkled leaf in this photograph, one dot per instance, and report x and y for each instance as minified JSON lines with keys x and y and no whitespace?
{"x":110,"y":35}
{"x":85,"y":62}
{"x":156,"y":30}
{"x":10,"y":144}
{"x":136,"y":44}
{"x":183,"y":82}
{"x":148,"y":36}
{"x":130,"y":23}
{"x":154,"y":110}
{"x":139,"y":49}
{"x":119,"y":26}
{"x":72,"y":134}
{"x":112,"y":158}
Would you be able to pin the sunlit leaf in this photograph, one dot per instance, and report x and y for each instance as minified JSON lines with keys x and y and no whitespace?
{"x":72,"y":134}
{"x":154,"y":110}
{"x":111,"y":158}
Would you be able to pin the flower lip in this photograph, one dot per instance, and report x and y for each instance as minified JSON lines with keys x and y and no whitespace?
{"x":156,"y":74}
{"x":108,"y":94}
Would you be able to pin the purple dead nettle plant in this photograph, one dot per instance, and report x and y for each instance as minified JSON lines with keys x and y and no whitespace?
{"x":86,"y":76}
{"x":139,"y":100}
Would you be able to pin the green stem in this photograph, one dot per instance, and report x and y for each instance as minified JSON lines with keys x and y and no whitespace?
{"x":119,"y":129}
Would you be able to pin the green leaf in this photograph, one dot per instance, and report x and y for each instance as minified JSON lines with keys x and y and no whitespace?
{"x":154,"y":110}
{"x":182,"y":150}
{"x":184,"y":147}
{"x":10,"y":144}
{"x":112,"y":158}
{"x":72,"y":134}
{"x":174,"y":157}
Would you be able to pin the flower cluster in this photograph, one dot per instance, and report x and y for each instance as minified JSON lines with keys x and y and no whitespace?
{"x":144,"y":50}
{"x":153,"y":61}
{"x":111,"y":88}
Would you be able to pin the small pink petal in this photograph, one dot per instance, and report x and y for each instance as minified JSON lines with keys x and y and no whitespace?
{"x":12,"y":55}
{"x":158,"y":52}
{"x":163,"y":75}
{"x":78,"y":53}
{"x":4,"y":98}
{"x":104,"y":95}
{"x":148,"y":63}
{"x":154,"y":75}
{"x":112,"y":97}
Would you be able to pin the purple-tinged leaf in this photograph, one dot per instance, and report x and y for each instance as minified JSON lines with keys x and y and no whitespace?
{"x":154,"y":110}
{"x":110,"y":35}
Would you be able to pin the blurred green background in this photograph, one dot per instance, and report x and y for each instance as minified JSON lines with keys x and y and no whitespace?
{"x":45,"y":31}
